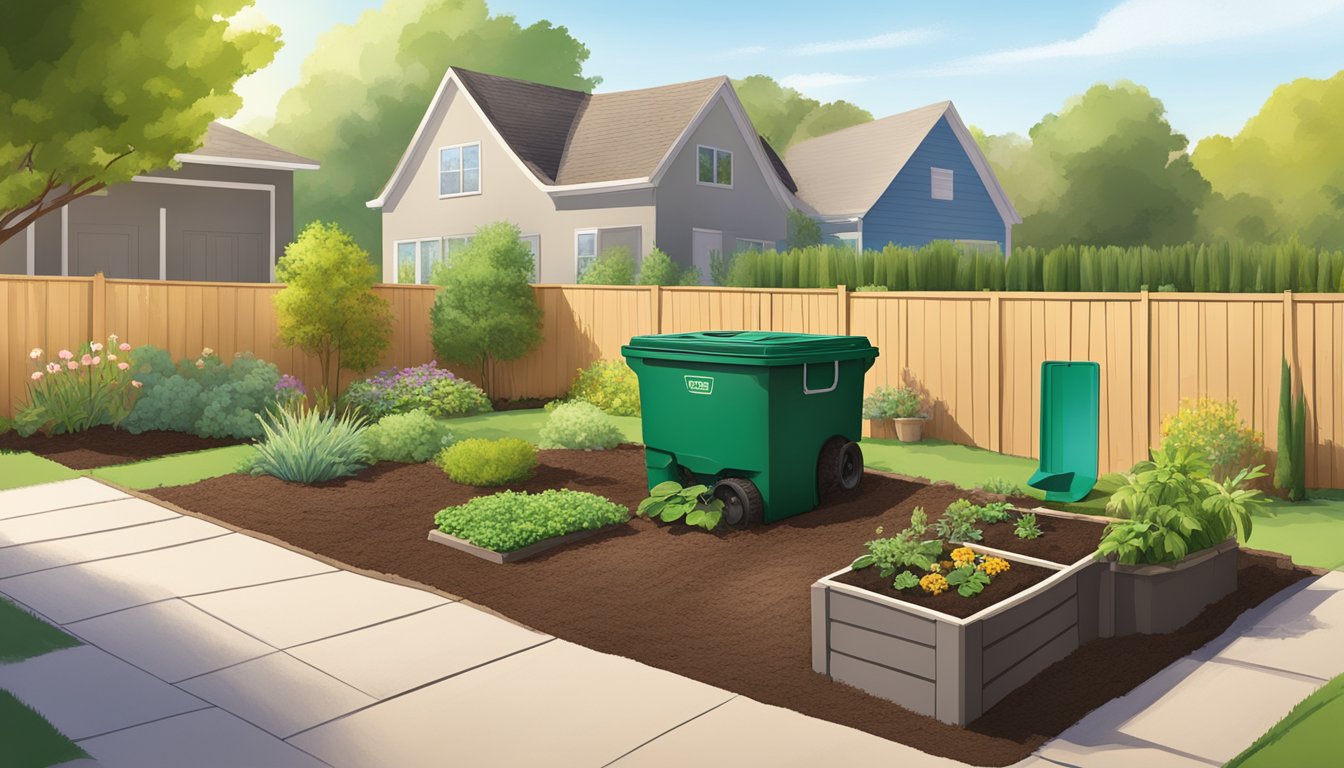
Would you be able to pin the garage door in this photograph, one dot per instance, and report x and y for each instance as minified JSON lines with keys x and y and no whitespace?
{"x":105,"y":248}
{"x":226,"y":257}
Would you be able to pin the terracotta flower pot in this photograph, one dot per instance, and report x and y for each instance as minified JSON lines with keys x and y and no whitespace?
{"x":909,"y":430}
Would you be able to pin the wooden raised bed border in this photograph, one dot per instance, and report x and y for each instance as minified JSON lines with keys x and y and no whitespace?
{"x":531,"y":550}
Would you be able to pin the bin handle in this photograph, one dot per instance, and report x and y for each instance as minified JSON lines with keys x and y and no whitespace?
{"x":835,"y":382}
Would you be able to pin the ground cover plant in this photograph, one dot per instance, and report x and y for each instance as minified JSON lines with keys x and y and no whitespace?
{"x":1001,"y":486}
{"x":207,"y":397}
{"x":76,"y":391}
{"x":309,"y":447}
{"x":409,"y":437}
{"x":429,"y":388}
{"x":1026,"y":527}
{"x":610,"y":385}
{"x":482,"y":462}
{"x":669,"y":502}
{"x":893,"y":403}
{"x":511,"y":520}
{"x":580,"y":426}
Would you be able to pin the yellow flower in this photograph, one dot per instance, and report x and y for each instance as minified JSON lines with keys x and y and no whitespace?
{"x":963,"y":556}
{"x":993,"y":566}
{"x":933,"y":583}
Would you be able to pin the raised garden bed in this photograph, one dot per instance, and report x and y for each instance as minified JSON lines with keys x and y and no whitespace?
{"x":105,"y":446}
{"x":1156,"y":599}
{"x":513,"y":556}
{"x":628,"y":592}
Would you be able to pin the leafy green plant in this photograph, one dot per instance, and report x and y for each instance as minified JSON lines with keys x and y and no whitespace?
{"x":958,"y":522}
{"x":429,"y":388}
{"x":483,"y":462}
{"x":659,"y":269}
{"x":968,"y":580}
{"x":409,"y":438}
{"x":906,"y":549}
{"x":308,"y":447}
{"x":803,"y":230}
{"x":579,"y":426}
{"x":1002,"y":487}
{"x":871,"y":288}
{"x":720,"y":268}
{"x":669,"y":501}
{"x":206,"y":397}
{"x":511,"y":520}
{"x":1290,"y":470}
{"x":995,"y":512}
{"x":1027,"y":527}
{"x":1214,"y":428}
{"x":1172,"y":507}
{"x":614,"y":266}
{"x":75,"y":391}
{"x":905,"y":580}
{"x":893,"y":403}
{"x":610,"y":385}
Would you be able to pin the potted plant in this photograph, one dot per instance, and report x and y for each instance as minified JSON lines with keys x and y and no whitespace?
{"x":895,"y":411}
{"x":1175,"y":549}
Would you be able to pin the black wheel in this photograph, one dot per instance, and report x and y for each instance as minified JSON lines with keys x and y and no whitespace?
{"x":839,"y":467}
{"x":742,"y":503}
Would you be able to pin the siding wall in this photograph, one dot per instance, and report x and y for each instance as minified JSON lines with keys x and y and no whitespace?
{"x":907,"y":214}
{"x":976,"y":356}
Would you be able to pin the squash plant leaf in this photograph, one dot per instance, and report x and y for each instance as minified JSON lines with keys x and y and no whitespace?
{"x":665,"y":489}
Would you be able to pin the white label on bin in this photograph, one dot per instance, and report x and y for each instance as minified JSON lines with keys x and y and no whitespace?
{"x":700,"y":385}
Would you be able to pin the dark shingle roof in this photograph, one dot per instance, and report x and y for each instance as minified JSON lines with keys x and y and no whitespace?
{"x":777,"y":163}
{"x":221,"y":141}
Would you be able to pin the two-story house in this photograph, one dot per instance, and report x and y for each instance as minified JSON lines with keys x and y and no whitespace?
{"x":678,"y":166}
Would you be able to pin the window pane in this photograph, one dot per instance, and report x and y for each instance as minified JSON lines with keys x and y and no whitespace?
{"x":471,"y":156}
{"x":405,"y":262}
{"x":450,"y":183}
{"x":471,"y":181}
{"x":587,"y":244}
{"x":584,"y":263}
{"x":725,"y":163}
{"x":429,"y":259}
{"x":450,"y":159}
{"x":706,"y":165}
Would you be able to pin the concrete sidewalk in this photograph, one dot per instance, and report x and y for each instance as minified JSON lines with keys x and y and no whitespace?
{"x":207,"y":647}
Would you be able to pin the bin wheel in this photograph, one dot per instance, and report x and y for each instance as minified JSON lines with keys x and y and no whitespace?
{"x":839,"y":467}
{"x":742,"y":503}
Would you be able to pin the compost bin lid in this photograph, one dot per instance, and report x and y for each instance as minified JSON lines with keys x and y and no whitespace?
{"x":755,"y":344}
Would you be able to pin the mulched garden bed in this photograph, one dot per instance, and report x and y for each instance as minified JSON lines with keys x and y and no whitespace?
{"x":728,"y":609}
{"x":1064,"y":540}
{"x":1018,"y":577}
{"x":105,"y":446}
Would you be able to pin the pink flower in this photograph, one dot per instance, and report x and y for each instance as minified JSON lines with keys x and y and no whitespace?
{"x":97,"y":359}
{"x":137,"y":384}
{"x":65,"y":354}
{"x":111,"y":356}
{"x":37,"y":375}
{"x":36,"y":353}
{"x":123,"y":366}
{"x":53,"y":367}
{"x":72,"y":365}
{"x":96,"y":346}
{"x":124,"y":347}
{"x":86,"y":360}
{"x":200,"y":363}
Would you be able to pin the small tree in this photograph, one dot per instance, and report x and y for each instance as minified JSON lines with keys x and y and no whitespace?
{"x":803,"y":230}
{"x":486,"y":310}
{"x":328,"y":307}
{"x":659,"y":269}
{"x":615,"y":266}
{"x":1283,"y":466}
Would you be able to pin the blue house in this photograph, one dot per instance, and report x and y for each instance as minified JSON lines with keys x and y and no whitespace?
{"x":906,"y":179}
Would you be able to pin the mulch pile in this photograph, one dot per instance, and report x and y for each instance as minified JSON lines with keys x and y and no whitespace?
{"x":729,"y":608}
{"x":105,"y":446}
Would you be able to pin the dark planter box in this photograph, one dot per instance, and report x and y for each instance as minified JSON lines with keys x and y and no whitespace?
{"x":1156,"y":599}
{"x":950,"y":668}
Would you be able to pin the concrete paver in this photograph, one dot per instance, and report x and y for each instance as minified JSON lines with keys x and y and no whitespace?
{"x":64,"y":523}
{"x":278,"y":693}
{"x":210,"y":738}
{"x":576,"y":706}
{"x":1300,"y":635}
{"x":171,"y":639}
{"x":80,"y":591}
{"x":27,"y":558}
{"x":404,"y":653}
{"x":58,"y":495}
{"x":84,"y":691}
{"x":303,"y":610}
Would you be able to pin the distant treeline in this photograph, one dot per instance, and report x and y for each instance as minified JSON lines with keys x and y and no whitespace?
{"x":944,"y":266}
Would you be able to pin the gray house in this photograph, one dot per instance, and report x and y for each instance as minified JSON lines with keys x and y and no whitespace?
{"x":677,"y":166}
{"x":225,"y":215}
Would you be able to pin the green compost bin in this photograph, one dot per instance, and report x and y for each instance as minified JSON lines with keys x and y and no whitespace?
{"x":771,"y":421}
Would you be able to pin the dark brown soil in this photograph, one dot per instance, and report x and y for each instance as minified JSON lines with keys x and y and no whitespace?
{"x":521,"y":405}
{"x":105,"y":446}
{"x":729,"y":609}
{"x":1018,"y":577}
{"x":1063,"y":540}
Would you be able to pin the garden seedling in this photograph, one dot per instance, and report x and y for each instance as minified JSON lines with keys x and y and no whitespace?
{"x":968,"y":581}
{"x":905,"y":549}
{"x":995,"y":512}
{"x":669,"y":501}
{"x":958,"y":522}
{"x":1027,"y":527}
{"x":905,"y":580}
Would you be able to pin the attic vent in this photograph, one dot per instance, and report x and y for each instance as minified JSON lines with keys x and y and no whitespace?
{"x":942,"y":183}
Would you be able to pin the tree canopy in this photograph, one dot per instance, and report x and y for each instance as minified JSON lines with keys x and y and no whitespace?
{"x":98,"y":92}
{"x":785,"y":117}
{"x":365,"y":87}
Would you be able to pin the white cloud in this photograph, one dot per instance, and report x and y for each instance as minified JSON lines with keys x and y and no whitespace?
{"x":1137,"y":25}
{"x":815,"y":80}
{"x":874,"y":43}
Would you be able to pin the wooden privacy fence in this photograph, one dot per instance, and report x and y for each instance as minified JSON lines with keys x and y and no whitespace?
{"x":976,"y":356}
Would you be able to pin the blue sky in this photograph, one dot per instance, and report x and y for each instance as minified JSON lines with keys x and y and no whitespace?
{"x":1212,"y":62}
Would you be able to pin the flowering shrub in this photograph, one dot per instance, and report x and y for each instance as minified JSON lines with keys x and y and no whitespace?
{"x":409,"y":438}
{"x":579,"y":426}
{"x":482,"y":462}
{"x":893,"y":403}
{"x":511,"y":520}
{"x":1213,"y":428}
{"x":290,"y":392}
{"x":434,"y":390}
{"x":78,"y":390}
{"x":610,"y":385}
{"x":205,"y":397}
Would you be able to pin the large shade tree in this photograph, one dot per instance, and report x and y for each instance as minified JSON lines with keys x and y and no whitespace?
{"x":93,"y":93}
{"x":785,"y":117}
{"x":365,"y":87}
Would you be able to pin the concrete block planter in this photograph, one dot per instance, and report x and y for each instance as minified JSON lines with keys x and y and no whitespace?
{"x":946,"y":667}
{"x":1156,"y":599}
{"x":531,"y":550}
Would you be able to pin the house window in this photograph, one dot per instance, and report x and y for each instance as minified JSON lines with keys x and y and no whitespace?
{"x":715,"y":167}
{"x":941,"y":179}
{"x":416,"y":260}
{"x":533,"y":243}
{"x":585,"y":251}
{"x":460,"y":170}
{"x":744,"y":244}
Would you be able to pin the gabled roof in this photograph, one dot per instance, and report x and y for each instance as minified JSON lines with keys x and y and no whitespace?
{"x":223,"y":145}
{"x":845,"y":172}
{"x":572,"y":142}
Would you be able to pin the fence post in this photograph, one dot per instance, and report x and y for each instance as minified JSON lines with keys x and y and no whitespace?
{"x":1145,"y":361}
{"x":842,"y":310}
{"x":995,"y":374}
{"x":98,"y":310}
{"x":656,"y":304}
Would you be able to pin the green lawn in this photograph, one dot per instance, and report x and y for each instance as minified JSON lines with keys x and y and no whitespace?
{"x":178,"y":469}
{"x":525,"y":424}
{"x":1309,"y":733}
{"x":29,"y":740}
{"x":20,"y":469}
{"x":23,"y":635}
